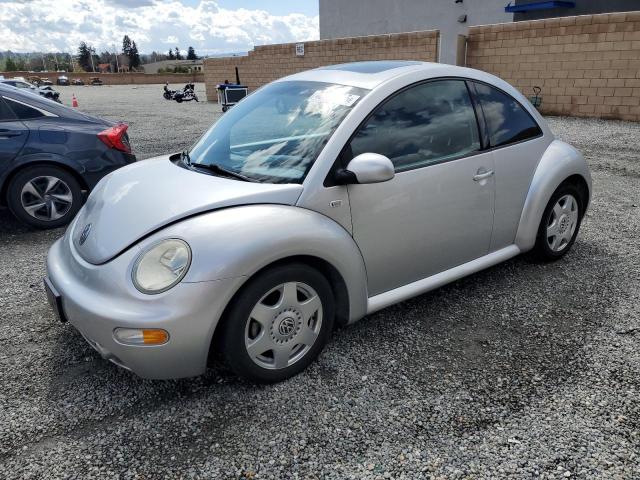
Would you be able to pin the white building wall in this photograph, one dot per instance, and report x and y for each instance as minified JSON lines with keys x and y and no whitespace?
{"x":350,"y":18}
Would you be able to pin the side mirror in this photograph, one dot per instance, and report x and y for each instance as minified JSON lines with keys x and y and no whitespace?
{"x":366,"y":168}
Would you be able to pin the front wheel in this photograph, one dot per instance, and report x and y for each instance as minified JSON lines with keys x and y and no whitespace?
{"x":278,"y":323}
{"x":560,"y":224}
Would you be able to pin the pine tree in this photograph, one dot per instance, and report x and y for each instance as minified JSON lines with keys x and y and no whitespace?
{"x":191,"y":54}
{"x":171,"y":55}
{"x":134,"y":56}
{"x":10,"y":65}
{"x":126,"y":45}
{"x":84,"y":57}
{"x":178,"y":54}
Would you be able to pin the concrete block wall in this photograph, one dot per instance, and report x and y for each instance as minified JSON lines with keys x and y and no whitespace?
{"x":586,"y":65}
{"x":268,"y":62}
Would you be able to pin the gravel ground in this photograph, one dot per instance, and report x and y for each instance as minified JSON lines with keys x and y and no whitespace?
{"x":524,"y":370}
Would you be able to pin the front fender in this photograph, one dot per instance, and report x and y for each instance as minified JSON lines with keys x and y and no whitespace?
{"x":559,"y":162}
{"x":239,"y":241}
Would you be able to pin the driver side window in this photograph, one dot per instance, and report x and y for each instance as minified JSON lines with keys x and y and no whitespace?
{"x":426,"y":124}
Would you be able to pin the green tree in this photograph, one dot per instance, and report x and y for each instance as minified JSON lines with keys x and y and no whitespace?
{"x":84,"y":57}
{"x":171,"y":55}
{"x":126,"y":45}
{"x":191,"y":54}
{"x":134,"y":56}
{"x":10,"y":65}
{"x":178,"y":54}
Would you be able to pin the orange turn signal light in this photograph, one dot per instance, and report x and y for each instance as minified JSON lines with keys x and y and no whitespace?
{"x":141,"y":336}
{"x":154,"y":336}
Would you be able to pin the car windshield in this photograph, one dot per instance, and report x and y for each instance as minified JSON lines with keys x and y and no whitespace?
{"x":275,"y":134}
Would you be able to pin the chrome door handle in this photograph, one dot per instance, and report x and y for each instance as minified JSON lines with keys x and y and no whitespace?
{"x":482,"y":176}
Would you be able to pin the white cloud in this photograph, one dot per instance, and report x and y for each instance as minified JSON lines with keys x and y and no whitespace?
{"x":45,"y":25}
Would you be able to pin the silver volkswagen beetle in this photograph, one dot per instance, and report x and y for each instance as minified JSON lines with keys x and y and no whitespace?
{"x":320,"y":198}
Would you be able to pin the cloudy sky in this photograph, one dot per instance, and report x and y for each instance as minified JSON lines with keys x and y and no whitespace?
{"x":210,"y":26}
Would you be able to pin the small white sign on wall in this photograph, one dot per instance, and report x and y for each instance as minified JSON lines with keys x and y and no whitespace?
{"x":299,"y":49}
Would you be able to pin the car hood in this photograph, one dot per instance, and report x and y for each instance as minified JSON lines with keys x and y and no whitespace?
{"x":140,"y":198}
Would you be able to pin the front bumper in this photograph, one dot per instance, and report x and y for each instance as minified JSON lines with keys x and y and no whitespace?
{"x":96,"y":299}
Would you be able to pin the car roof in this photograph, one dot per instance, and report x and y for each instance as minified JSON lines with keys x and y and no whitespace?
{"x":370,"y":74}
{"x":38,"y":101}
{"x":364,"y":74}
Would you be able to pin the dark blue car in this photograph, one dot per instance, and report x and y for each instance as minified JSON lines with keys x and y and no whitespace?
{"x":52,"y":155}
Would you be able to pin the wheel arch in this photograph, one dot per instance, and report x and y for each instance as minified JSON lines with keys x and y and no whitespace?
{"x":325,"y":268}
{"x":329,"y":271}
{"x":560,"y":163}
{"x":4,"y":189}
{"x":583,"y":187}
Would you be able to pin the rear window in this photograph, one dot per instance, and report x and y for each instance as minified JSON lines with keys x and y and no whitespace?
{"x":23,"y":111}
{"x":508,"y":122}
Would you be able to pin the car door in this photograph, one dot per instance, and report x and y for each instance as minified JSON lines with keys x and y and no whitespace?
{"x":13,"y":135}
{"x":437,"y":212}
{"x":517,"y":144}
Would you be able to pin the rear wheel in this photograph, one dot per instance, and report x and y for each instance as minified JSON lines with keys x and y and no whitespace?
{"x":44,"y":196}
{"x":278,"y":323}
{"x":560,"y":224}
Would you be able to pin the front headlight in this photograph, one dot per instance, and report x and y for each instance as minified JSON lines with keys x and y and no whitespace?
{"x":162,"y":266}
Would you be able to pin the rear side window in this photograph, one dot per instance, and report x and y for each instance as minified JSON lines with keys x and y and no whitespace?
{"x":425,"y":124}
{"x":23,"y":111}
{"x":507,"y":121}
{"x":5,"y":112}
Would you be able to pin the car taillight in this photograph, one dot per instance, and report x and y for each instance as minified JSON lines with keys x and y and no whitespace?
{"x":116,"y":137}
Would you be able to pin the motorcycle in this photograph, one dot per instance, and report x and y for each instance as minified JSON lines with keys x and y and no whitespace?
{"x":185,"y":95}
{"x":168,"y":94}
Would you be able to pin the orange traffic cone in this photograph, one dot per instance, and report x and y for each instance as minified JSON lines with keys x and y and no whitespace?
{"x":74,"y":101}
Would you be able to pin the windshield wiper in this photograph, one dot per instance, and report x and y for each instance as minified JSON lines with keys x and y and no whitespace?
{"x":215,"y":168}
{"x":184,"y":156}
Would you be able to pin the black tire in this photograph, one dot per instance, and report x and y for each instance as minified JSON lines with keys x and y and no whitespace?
{"x":179,"y":99}
{"x":235,"y":323}
{"x":542,"y":250}
{"x":224,"y":109}
{"x":68,"y":209}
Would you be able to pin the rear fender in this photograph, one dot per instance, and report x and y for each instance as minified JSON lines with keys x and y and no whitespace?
{"x":39,"y":158}
{"x":559,"y":162}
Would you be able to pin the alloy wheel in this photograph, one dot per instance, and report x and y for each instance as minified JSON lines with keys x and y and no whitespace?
{"x":562,"y":223}
{"x":46,"y":198}
{"x":283,"y":325}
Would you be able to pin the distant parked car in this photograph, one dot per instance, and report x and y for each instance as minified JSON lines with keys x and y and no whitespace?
{"x":45,"y":81}
{"x":46,"y":91}
{"x":95,"y":81}
{"x":51,"y":155}
{"x":318,"y":199}
{"x":63,"y":80}
{"x":77,"y":81}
